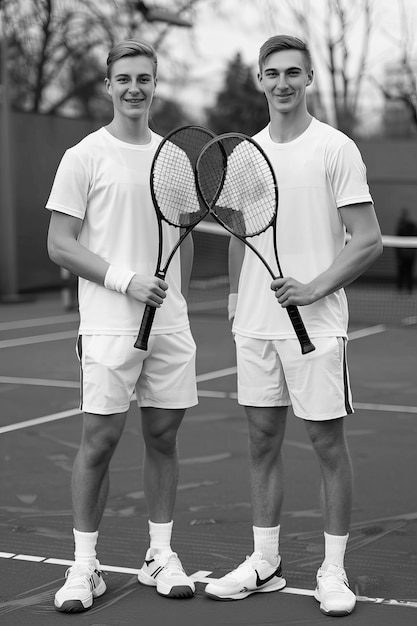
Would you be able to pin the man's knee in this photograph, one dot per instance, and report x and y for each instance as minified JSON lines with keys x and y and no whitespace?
{"x":160,"y":431}
{"x":328,"y":440}
{"x":101,"y":436}
{"x":265,"y":437}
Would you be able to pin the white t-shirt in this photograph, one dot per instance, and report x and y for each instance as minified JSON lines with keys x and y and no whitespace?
{"x":317,"y":173}
{"x":106,"y":183}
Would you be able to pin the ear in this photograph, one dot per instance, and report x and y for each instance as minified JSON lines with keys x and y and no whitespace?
{"x":107,"y":85}
{"x":310,"y":77}
{"x":260,"y":80}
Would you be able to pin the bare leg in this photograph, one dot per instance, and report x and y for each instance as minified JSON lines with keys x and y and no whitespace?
{"x":90,"y":476}
{"x":266,"y":434}
{"x":160,"y":471}
{"x":329,"y":442}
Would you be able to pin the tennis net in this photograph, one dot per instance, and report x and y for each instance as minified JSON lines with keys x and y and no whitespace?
{"x":380,"y":296}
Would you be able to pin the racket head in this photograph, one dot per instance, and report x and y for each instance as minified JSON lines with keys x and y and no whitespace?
{"x":246,"y":201}
{"x":210,"y":172}
{"x":172,"y":178}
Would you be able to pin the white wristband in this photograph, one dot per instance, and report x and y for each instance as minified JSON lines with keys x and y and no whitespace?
{"x":118,"y":278}
{"x":231,"y":306}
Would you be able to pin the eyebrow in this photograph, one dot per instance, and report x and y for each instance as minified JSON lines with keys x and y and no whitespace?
{"x":122,"y":74}
{"x":287,"y":69}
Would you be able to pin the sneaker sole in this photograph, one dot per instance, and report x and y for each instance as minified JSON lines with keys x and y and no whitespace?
{"x":180,"y":592}
{"x":333,"y":612}
{"x":176,"y":591}
{"x":244,"y":594}
{"x":74,"y":606}
{"x":78,"y":606}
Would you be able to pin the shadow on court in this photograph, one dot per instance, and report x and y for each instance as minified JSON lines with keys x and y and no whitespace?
{"x":39,"y":434}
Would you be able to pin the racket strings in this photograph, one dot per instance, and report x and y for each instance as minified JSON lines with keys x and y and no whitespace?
{"x":211,"y":171}
{"x":247,"y":202}
{"x":173,"y":179}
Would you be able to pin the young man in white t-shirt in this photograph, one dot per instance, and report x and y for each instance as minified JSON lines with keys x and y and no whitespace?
{"x":103,"y":229}
{"x":323,"y":194}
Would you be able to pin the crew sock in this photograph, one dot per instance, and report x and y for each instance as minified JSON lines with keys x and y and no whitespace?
{"x":85,"y":547}
{"x":266,"y":541}
{"x":160,"y":536}
{"x":334,"y":550}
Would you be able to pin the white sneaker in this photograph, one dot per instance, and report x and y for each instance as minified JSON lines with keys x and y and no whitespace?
{"x":255,"y":575}
{"x":83,"y":584}
{"x":333,"y":592}
{"x":165,"y":572}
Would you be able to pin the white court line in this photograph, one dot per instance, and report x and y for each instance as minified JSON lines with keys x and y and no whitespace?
{"x":366,"y":332}
{"x":223,"y":395}
{"x":216,"y":374}
{"x":26,"y":341}
{"x":391,"y":408}
{"x":40,"y":321}
{"x":42,"y":382}
{"x":200,"y":576}
{"x":39,"y":420}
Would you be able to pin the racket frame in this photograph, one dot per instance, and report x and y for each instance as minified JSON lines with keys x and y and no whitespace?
{"x":293,"y":312}
{"x":149,"y":312}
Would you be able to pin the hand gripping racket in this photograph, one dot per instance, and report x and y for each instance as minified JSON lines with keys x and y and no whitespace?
{"x":237,"y":182}
{"x":175,"y":198}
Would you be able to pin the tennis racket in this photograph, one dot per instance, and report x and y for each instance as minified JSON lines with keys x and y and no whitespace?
{"x":175,"y":198}
{"x":237,"y":183}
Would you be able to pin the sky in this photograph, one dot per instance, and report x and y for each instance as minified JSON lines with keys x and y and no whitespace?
{"x":243,"y":25}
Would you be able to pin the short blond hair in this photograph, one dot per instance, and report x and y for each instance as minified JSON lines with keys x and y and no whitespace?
{"x":132,"y":48}
{"x":277,"y":43}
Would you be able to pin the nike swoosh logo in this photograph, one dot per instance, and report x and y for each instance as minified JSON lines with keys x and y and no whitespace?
{"x":262,"y":581}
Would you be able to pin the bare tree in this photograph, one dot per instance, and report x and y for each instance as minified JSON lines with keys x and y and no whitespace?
{"x":56,"y":47}
{"x":400,"y":84}
{"x":338,"y":33}
{"x":345,"y":64}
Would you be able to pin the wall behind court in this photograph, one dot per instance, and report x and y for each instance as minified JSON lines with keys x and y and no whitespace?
{"x":37,"y":145}
{"x":392,"y":176}
{"x":39,"y":141}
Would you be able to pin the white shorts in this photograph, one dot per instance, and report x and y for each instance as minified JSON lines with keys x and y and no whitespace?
{"x":275,"y":373}
{"x":112,"y":369}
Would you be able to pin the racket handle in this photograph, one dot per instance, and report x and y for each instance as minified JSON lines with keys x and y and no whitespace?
{"x":298,"y":324}
{"x":145,"y":327}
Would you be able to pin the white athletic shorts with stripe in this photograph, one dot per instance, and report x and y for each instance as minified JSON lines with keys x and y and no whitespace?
{"x":112,"y":369}
{"x":275,"y":373}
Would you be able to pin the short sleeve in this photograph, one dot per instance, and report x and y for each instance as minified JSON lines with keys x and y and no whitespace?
{"x":347,"y":174}
{"x":69,"y":191}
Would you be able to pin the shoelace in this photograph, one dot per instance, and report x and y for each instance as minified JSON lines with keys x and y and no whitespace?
{"x":80,"y":569}
{"x":334,"y":582}
{"x":173,"y":565}
{"x":248,"y":564}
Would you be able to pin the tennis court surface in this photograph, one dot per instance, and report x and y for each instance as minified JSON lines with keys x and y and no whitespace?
{"x":39,"y":433}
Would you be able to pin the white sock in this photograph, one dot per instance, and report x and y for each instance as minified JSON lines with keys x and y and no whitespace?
{"x":266,"y":541}
{"x":85,"y":547}
{"x":160,"y":536}
{"x":334,"y":550}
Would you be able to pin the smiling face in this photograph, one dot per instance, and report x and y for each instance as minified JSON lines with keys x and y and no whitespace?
{"x":283,"y":79}
{"x":131,"y":85}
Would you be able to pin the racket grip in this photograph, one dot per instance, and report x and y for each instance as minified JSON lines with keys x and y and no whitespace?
{"x":145,"y":327}
{"x":300,"y":330}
